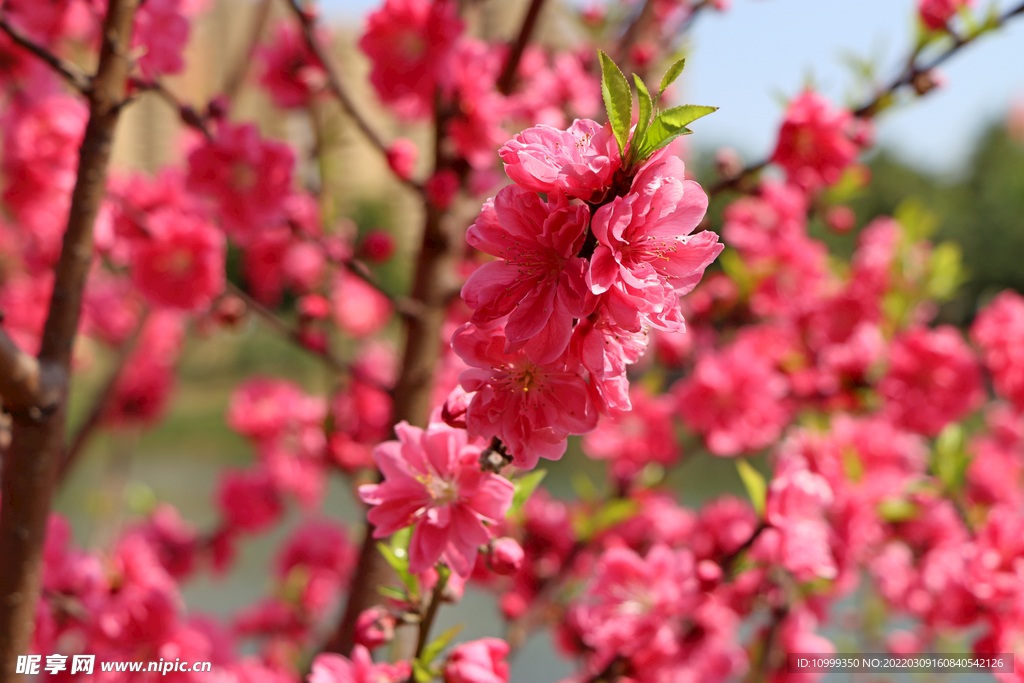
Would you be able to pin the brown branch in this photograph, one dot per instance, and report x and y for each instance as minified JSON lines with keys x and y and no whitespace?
{"x":914,"y":70}
{"x":37,"y":442}
{"x":21,"y":383}
{"x":633,"y":31}
{"x":189,"y":116}
{"x":431,"y":288}
{"x":615,"y":669}
{"x":694,"y":13}
{"x":236,"y":76}
{"x":508,"y":75}
{"x":285,"y":330}
{"x":71,"y":73}
{"x":307,"y":21}
{"x":101,"y":403}
{"x":765,"y":660}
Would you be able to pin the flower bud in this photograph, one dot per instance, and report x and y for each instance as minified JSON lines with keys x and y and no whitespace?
{"x":505,"y":556}
{"x":402,"y":156}
{"x":841,"y":219}
{"x":378,"y":246}
{"x":374,"y":627}
{"x":442,"y":187}
{"x":480,"y":661}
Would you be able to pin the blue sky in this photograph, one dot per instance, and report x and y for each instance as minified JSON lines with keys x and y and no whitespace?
{"x":760,"y":51}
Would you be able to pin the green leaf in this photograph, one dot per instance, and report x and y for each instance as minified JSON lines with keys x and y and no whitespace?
{"x":618,"y":100}
{"x":524,"y":488}
{"x":611,"y":513}
{"x":646,"y":109}
{"x":397,"y":555}
{"x":421,"y":673}
{"x":755,"y":484}
{"x":393,"y":593}
{"x":399,"y":564}
{"x":433,"y":649}
{"x":671,"y":75}
{"x":917,"y":221}
{"x":897,"y":510}
{"x":614,"y":512}
{"x":945,"y":272}
{"x":584,"y":487}
{"x":949,"y":460}
{"x":670,"y":124}
{"x":734,"y":266}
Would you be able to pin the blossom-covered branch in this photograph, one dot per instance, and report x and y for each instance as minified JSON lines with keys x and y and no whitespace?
{"x":70,"y":72}
{"x":32,"y":461}
{"x":910,"y":76}
{"x":307,"y":20}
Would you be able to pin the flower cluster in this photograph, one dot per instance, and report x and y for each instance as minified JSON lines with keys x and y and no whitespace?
{"x":881,"y":452}
{"x":604,"y":254}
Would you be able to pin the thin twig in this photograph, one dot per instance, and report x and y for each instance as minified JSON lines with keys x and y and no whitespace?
{"x":633,"y":31}
{"x":283,"y":329}
{"x":914,"y":70}
{"x":508,"y":75}
{"x":189,"y":116}
{"x":236,"y":77}
{"x":694,"y":13}
{"x":428,"y":619}
{"x":308,"y":23}
{"x":71,"y":73}
{"x":872,"y":107}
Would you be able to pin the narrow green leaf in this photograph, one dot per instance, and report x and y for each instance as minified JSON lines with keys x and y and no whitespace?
{"x":736,"y":268}
{"x":755,"y":484}
{"x":945,"y":271}
{"x":897,"y":510}
{"x":646,"y":109}
{"x":618,"y":99}
{"x":397,"y":556}
{"x":392,"y":592}
{"x":433,"y":649}
{"x":670,"y":124}
{"x":399,"y":564}
{"x":949,"y":460}
{"x":671,"y":75}
{"x":421,"y":673}
{"x":524,"y":488}
{"x":917,"y":221}
{"x":584,"y":487}
{"x":614,"y":512}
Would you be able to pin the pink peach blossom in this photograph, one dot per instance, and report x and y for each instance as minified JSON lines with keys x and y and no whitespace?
{"x":433,"y":481}
{"x":815,"y":142}
{"x":479,"y":661}
{"x":531,"y":407}
{"x":408,"y":43}
{"x":579,"y":161}
{"x":249,"y":177}
{"x":538,"y":281}
{"x":646,"y":255}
